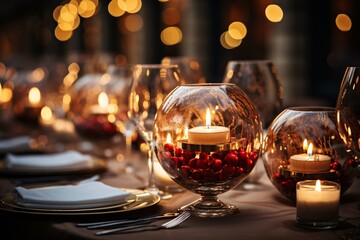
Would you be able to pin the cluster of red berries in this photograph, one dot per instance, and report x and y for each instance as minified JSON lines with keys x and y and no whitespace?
{"x":95,"y":126}
{"x":216,"y":166}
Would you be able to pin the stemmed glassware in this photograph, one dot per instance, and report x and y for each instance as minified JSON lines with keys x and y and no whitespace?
{"x":151,"y":83}
{"x":348,"y":110}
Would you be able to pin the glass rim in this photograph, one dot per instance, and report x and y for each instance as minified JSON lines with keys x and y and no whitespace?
{"x":252,"y":61}
{"x":206,"y":84}
{"x":156,"y":65}
{"x":310,"y":184}
{"x":312,"y":109}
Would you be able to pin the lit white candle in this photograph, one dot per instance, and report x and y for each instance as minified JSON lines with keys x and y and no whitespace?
{"x":34,"y":97}
{"x":208,"y":134}
{"x":102,"y":106}
{"x":317,"y":203}
{"x":309,"y":162}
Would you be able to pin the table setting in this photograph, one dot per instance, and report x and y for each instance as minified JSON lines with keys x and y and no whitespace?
{"x":207,"y":138}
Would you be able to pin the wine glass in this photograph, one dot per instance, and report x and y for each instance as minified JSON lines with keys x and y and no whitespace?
{"x":348,"y":111}
{"x":259,"y":80}
{"x":151,"y":83}
{"x":189,"y":68}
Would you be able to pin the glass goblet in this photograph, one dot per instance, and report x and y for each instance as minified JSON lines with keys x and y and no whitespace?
{"x":151,"y":83}
{"x":348,"y":110}
{"x":259,"y":80}
{"x":216,"y":136}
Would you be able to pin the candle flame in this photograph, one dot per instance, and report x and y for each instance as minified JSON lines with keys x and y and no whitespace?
{"x":318,"y":186}
{"x":305,"y":145}
{"x":34,"y":95}
{"x":208,"y":118}
{"x":310,"y":149}
{"x":168,"y":138}
{"x":103,"y":100}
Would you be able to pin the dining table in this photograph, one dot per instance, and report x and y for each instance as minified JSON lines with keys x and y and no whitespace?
{"x":264,"y":213}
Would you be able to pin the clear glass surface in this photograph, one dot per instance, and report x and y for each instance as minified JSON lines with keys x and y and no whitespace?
{"x":150,"y":85}
{"x":287,"y":156}
{"x":348,"y":110}
{"x":208,"y":139}
{"x":260,"y":81}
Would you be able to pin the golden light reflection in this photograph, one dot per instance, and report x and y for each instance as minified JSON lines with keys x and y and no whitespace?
{"x":34,"y":95}
{"x":114,"y":9}
{"x":231,"y":41}
{"x":171,"y":35}
{"x":274,"y":13}
{"x":37,"y":75}
{"x":66,"y":102}
{"x":62,"y":35}
{"x":343,"y":22}
{"x":87,"y":8}
{"x":237,"y":30}
{"x":103,"y":100}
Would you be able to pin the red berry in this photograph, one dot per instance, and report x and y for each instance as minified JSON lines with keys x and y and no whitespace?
{"x":249,"y":163}
{"x":166,"y":155}
{"x":201,"y":163}
{"x":253,"y":155}
{"x":216,"y":164}
{"x":178,"y":152}
{"x":336,"y":166}
{"x":204,"y":156}
{"x":169,"y":147}
{"x":185,"y":170}
{"x":228,"y":170}
{"x":209,"y":175}
{"x":193,"y":163}
{"x":238,"y":171}
{"x":231,"y":159}
{"x":197,"y":174}
{"x":189,"y":155}
{"x":353,"y":163}
{"x":242,"y":156}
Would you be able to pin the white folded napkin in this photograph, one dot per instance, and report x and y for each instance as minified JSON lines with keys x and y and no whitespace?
{"x":65,"y":161}
{"x":16,"y":144}
{"x":85,"y":195}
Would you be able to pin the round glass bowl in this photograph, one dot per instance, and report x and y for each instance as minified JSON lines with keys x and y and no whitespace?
{"x":303,"y":143}
{"x":208,"y":139}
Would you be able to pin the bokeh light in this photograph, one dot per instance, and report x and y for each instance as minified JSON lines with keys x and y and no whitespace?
{"x":237,"y":30}
{"x":274,"y":13}
{"x":343,"y":22}
{"x":171,"y":35}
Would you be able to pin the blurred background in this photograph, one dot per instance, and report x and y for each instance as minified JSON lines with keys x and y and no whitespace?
{"x":310,"y":42}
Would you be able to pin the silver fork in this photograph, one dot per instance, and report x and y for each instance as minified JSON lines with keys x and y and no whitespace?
{"x":146,"y":227}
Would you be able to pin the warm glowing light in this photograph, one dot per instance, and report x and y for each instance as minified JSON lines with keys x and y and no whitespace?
{"x":231,"y":42}
{"x":103,"y":100}
{"x":37,"y":75}
{"x":46,"y":113}
{"x":114,"y":9}
{"x":237,"y":30}
{"x":171,"y":35}
{"x":274,"y":13}
{"x":223,"y":42}
{"x":133,"y":6}
{"x":305,"y":145}
{"x":74,"y":68}
{"x":6,"y":95}
{"x":168,"y":138}
{"x":62,"y":35}
{"x":318,"y":186}
{"x":343,"y":22}
{"x":310,"y":150}
{"x":34,"y":95}
{"x":86,"y":8}
{"x":208,"y":118}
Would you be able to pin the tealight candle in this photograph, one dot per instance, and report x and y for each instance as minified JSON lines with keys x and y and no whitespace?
{"x":309,"y":162}
{"x":317,"y":203}
{"x":30,"y":108}
{"x":208,"y":134}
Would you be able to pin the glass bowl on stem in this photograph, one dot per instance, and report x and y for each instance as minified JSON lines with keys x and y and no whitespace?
{"x":208,"y":139}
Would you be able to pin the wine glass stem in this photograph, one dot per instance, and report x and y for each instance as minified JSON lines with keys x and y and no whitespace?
{"x":151,"y":184}
{"x":128,"y":142}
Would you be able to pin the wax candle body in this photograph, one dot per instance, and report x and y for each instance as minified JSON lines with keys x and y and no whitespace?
{"x":208,"y":135}
{"x":313,"y":206}
{"x":313,"y":163}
